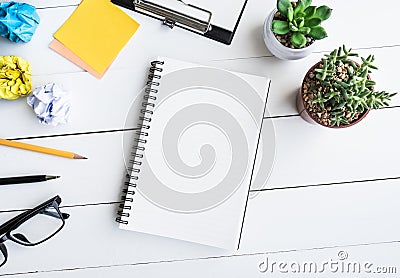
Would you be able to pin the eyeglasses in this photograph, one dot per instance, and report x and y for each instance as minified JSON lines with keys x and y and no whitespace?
{"x":32,"y":227}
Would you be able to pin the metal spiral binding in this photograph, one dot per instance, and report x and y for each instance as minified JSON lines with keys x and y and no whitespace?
{"x":137,"y":154}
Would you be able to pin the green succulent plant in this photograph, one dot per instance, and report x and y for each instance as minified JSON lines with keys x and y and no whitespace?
{"x":344,"y":87}
{"x":300,"y":20}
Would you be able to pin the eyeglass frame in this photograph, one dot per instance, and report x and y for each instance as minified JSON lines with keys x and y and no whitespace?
{"x":15,"y":222}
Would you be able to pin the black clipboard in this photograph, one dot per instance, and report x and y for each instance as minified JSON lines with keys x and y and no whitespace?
{"x":172,"y":18}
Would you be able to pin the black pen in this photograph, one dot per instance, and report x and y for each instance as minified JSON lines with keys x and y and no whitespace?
{"x":26,"y":179}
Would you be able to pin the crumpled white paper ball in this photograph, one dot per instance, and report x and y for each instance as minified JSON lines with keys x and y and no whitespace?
{"x":51,"y":104}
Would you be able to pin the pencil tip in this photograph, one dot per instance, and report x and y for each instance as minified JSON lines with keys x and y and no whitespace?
{"x":52,"y":177}
{"x":77,"y":156}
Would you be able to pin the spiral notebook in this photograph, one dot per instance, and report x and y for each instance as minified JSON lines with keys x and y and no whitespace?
{"x":194,"y":153}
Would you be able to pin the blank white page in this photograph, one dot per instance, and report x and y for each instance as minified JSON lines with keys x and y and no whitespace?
{"x":195,"y":160}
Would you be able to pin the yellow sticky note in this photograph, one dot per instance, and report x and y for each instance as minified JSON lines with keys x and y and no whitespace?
{"x":96,"y":32}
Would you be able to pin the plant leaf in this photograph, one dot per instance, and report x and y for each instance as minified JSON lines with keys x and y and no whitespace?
{"x":280,"y":27}
{"x":306,"y":3}
{"x":293,"y":27}
{"x":299,"y":9}
{"x":290,"y":13}
{"x":298,"y":40}
{"x":311,"y":22}
{"x":305,"y":30}
{"x":351,"y":63}
{"x":340,"y":105}
{"x":300,"y":21}
{"x":373,"y":67}
{"x":310,"y":12}
{"x":283,"y":6}
{"x":323,"y":12}
{"x":318,"y":33}
{"x":370,"y":83}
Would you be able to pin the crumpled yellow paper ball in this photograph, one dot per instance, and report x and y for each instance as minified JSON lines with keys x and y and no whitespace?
{"x":15,"y":77}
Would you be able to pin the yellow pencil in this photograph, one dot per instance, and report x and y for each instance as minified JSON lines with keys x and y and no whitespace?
{"x":40,"y":149}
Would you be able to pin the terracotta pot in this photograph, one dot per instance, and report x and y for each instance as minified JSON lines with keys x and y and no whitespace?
{"x":304,"y":113}
{"x":279,"y":50}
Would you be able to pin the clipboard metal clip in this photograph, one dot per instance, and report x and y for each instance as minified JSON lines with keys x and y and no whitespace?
{"x":172,"y":18}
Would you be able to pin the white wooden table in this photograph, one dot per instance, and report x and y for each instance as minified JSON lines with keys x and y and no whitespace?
{"x":329,"y":191}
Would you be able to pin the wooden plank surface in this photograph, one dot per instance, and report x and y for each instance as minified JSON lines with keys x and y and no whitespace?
{"x":287,"y":162}
{"x":93,"y":101}
{"x":305,"y":218}
{"x":315,"y":189}
{"x":249,"y":265}
{"x":318,"y":156}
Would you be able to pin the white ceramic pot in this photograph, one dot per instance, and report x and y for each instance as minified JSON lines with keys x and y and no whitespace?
{"x":278,"y":49}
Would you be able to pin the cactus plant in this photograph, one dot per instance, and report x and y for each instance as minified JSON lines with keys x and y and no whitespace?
{"x":340,"y":90}
{"x":299,"y":21}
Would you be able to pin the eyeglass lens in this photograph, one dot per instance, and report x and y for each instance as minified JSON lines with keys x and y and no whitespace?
{"x":38,"y":228}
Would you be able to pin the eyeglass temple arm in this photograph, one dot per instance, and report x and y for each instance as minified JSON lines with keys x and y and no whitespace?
{"x":56,"y":215}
